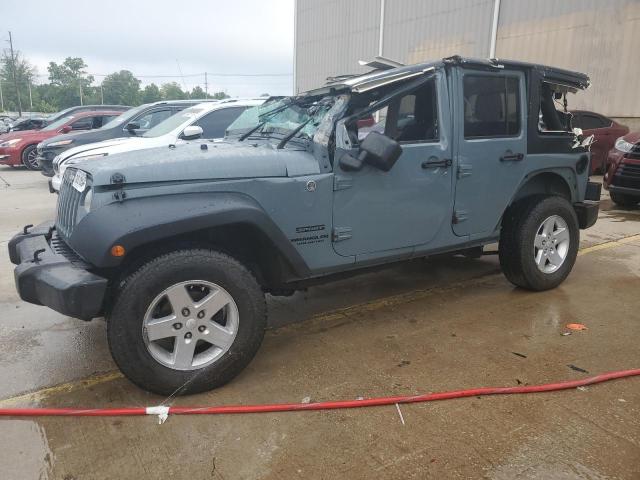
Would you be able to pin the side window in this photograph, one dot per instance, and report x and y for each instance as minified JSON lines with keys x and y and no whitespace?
{"x":151,"y":119}
{"x":214,"y":124}
{"x":590,"y":122}
{"x":84,"y":123}
{"x":412,"y":118}
{"x":491,"y":106}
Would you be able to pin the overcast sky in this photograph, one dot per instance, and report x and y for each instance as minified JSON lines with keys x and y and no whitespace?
{"x":161,"y":37}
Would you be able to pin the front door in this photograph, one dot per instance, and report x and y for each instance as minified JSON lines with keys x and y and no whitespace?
{"x":375,"y":211}
{"x":492,"y":146}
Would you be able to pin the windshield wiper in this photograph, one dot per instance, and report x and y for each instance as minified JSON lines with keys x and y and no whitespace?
{"x":245,"y":135}
{"x":292,"y":134}
{"x":261,"y":124}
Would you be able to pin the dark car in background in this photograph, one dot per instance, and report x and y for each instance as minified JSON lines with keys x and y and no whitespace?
{"x":605,"y":131}
{"x":133,"y":122}
{"x":622,"y":177}
{"x":86,"y":108}
{"x":19,"y":148}
{"x":28,"y":123}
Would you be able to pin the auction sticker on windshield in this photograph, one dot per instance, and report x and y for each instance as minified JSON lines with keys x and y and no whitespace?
{"x":80,"y":181}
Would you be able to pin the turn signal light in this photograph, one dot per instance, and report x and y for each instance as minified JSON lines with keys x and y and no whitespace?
{"x":117,"y":251}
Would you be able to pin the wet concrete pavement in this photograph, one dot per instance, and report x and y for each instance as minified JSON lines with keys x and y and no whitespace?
{"x":433,"y":325}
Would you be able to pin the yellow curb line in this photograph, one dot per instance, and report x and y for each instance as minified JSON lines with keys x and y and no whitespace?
{"x":373,"y":305}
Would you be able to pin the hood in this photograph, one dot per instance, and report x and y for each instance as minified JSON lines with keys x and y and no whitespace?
{"x":109,"y":147}
{"x":188,"y":162}
{"x":632,"y":137}
{"x":88,"y":136}
{"x":30,"y":135}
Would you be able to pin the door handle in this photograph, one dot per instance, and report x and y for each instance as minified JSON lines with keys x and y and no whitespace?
{"x":508,"y":156}
{"x":435,"y":163}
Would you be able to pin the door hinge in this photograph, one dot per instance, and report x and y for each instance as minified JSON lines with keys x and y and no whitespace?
{"x":341,"y":233}
{"x":459,"y":216}
{"x":464,"y":170}
{"x":341,"y":182}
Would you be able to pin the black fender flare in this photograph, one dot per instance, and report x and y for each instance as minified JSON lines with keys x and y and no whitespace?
{"x":139,"y":221}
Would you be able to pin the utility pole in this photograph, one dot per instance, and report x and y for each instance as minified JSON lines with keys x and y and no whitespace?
{"x":206,"y":86}
{"x":30,"y":99}
{"x":1,"y":97}
{"x":80,"y":88}
{"x":15,"y":78}
{"x":101,"y":95}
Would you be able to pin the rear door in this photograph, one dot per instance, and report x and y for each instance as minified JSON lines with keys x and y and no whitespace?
{"x":491,"y":138}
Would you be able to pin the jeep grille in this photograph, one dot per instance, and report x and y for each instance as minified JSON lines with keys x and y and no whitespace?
{"x":68,"y":201}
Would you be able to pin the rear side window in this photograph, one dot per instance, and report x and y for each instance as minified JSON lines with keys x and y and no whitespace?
{"x":589,"y":122}
{"x":214,"y":124}
{"x":491,"y":106}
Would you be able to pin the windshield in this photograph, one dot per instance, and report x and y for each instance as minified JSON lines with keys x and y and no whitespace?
{"x":283,"y":116}
{"x":58,"y":123}
{"x":125,"y":116}
{"x":175,"y":121}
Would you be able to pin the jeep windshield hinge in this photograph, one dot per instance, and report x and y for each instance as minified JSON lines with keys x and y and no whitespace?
{"x":341,"y":233}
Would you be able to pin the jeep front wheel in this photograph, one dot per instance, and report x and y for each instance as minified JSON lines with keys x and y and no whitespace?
{"x":539,"y":242}
{"x":186,"y":322}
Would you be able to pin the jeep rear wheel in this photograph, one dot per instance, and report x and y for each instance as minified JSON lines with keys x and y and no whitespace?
{"x":186,"y":322}
{"x":624,"y":200}
{"x":539,"y":242}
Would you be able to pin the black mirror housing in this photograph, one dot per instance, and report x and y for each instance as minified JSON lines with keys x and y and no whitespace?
{"x":131,"y":126}
{"x":380,"y":151}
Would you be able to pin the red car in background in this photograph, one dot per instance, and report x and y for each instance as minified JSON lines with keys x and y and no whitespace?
{"x":606,"y":132}
{"x":622,"y":178}
{"x":19,"y":148}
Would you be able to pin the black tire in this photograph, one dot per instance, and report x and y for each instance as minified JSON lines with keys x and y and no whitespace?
{"x":135,"y":294}
{"x":519,"y":228}
{"x":624,"y":200}
{"x":29,"y":158}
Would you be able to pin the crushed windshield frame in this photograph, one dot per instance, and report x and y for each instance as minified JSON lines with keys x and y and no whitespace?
{"x":308,"y":114}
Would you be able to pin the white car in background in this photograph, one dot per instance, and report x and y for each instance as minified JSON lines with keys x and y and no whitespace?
{"x":205,"y":120}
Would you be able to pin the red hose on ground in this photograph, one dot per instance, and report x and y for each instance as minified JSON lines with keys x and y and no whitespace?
{"x":288,"y":407}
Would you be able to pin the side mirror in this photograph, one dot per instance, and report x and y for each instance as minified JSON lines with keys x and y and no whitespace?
{"x":377,"y":150}
{"x":192,"y":132}
{"x":65,"y":129}
{"x":132,"y":126}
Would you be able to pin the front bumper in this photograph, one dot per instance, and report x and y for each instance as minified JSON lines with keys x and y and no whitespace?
{"x":632,"y":192}
{"x":10,"y":156}
{"x":49,"y":273}
{"x":46,"y":166}
{"x":587,"y":213}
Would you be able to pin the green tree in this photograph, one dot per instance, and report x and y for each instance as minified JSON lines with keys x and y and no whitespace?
{"x":172,"y":91}
{"x":151,"y":93}
{"x":71,"y":78}
{"x":219,"y":95}
{"x":121,"y":88}
{"x":198,"y":92}
{"x":25,"y":74}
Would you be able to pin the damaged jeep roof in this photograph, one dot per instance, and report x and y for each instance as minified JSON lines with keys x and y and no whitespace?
{"x":376,"y":78}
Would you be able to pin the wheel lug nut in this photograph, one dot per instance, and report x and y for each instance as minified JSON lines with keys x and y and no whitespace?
{"x":187,"y":335}
{"x":202,"y":328}
{"x":201,"y":314}
{"x":177,"y":326}
{"x":185,"y":312}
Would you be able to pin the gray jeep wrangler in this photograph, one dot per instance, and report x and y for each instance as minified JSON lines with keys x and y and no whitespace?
{"x":177,"y":246}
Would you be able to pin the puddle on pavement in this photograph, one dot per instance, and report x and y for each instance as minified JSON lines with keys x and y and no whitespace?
{"x":24,"y":451}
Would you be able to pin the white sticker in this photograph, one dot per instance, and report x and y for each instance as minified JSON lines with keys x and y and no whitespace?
{"x":80,"y":181}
